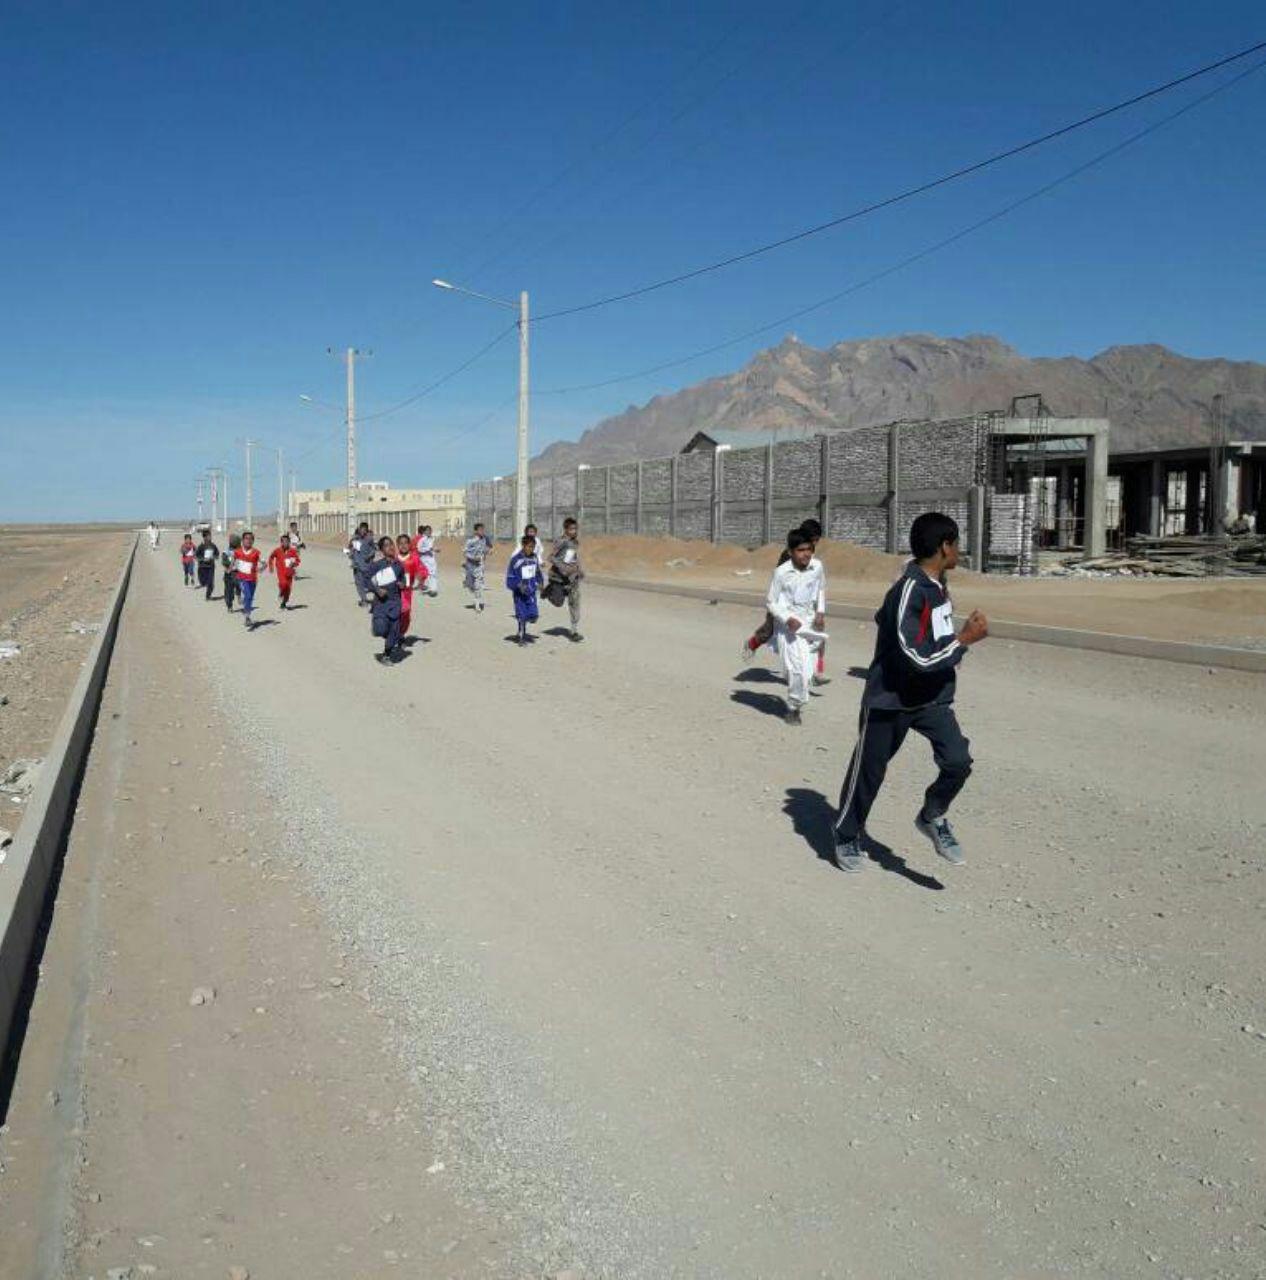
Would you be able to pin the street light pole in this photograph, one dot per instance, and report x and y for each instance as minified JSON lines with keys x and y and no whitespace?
{"x":281,"y":484}
{"x":521,"y":470}
{"x":351,"y":441}
{"x":250,"y":495}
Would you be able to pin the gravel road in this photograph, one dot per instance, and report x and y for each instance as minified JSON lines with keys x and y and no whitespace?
{"x":646,"y":1028}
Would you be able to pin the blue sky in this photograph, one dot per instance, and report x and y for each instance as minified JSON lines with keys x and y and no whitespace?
{"x":199,"y":200}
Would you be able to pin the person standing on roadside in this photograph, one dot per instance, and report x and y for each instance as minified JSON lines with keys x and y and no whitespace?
{"x":474,"y":562}
{"x":565,"y":569}
{"x":910,"y":686}
{"x":153,"y":533}
{"x":188,"y":558}
{"x":208,"y":553}
{"x":283,"y":560}
{"x":386,"y":576}
{"x":229,"y":561}
{"x":427,"y":551}
{"x":246,"y":566}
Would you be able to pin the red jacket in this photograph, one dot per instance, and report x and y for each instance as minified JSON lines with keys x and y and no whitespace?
{"x":282,"y":562}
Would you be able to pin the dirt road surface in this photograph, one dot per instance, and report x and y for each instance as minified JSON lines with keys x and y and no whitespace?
{"x":528,"y":961}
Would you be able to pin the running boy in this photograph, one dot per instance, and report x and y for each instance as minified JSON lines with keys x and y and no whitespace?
{"x":524,"y":578}
{"x":474,"y":556}
{"x":188,"y":558}
{"x":229,"y":561}
{"x":283,"y":560}
{"x":910,"y":685}
{"x":246,"y":567}
{"x":385,"y":578}
{"x":208,"y":553}
{"x":765,"y":632}
{"x":414,"y":580}
{"x":795,"y":595}
{"x":564,"y":568}
{"x":425,"y":547}
{"x":360,"y":551}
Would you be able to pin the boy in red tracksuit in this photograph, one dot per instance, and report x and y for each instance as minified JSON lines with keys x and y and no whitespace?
{"x":415,"y":576}
{"x":282,"y":561}
{"x":188,"y":557}
{"x":246,"y":568}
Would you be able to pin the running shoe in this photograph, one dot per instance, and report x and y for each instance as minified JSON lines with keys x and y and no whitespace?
{"x":849,"y":855}
{"x":575,"y":637}
{"x":943,"y":839}
{"x":793,"y":716}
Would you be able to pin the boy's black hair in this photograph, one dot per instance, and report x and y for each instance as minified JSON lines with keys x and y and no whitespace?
{"x":479,"y":524}
{"x":527,"y":537}
{"x":929,"y":531}
{"x":812,"y":528}
{"x":386,"y":537}
{"x":798,"y":538}
{"x":570,"y":520}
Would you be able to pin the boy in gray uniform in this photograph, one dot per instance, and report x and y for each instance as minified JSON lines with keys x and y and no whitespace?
{"x":474,"y":554}
{"x":564,"y":567}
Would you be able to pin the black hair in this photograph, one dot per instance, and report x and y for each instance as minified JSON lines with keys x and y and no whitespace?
{"x":479,"y":524}
{"x":386,"y":537}
{"x":569,"y":520}
{"x":798,"y":538}
{"x":812,"y":528}
{"x":929,"y":531}
{"x":530,"y":525}
{"x":527,"y":537}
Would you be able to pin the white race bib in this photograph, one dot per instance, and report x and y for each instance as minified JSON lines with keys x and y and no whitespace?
{"x":244,"y":566}
{"x":208,"y":554}
{"x":942,"y":621}
{"x":384,"y":577}
{"x":290,"y":562}
{"x":569,"y":556}
{"x":527,"y":572}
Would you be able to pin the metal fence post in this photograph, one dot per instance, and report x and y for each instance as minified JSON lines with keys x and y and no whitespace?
{"x":717,"y":511}
{"x":894,"y":482}
{"x":769,"y":493}
{"x":824,"y":487}
{"x":637,"y":501}
{"x":672,"y":497}
{"x":606,"y":499}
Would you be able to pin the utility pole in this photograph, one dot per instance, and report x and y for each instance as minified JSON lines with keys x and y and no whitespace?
{"x":198,"y":482}
{"x":352,"y":354}
{"x":280,"y":490}
{"x":250,"y":494}
{"x":521,"y":488}
{"x":213,"y":495}
{"x":290,"y":504}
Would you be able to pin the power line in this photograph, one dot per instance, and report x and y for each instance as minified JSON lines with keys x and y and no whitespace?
{"x":910,"y":192}
{"x":925,"y":252}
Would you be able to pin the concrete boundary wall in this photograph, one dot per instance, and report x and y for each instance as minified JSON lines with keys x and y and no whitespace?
{"x":26,"y":873}
{"x":1201,"y":655}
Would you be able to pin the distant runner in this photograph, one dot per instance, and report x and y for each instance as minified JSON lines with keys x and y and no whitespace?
{"x":154,"y":535}
{"x":565,"y":573}
{"x":229,"y":561}
{"x":385,"y":578}
{"x":360,"y":549}
{"x":524,"y":578}
{"x":208,"y":554}
{"x":795,"y":594}
{"x":246,"y":567}
{"x":188,"y":558}
{"x":910,"y":685}
{"x":424,"y":545}
{"x":283,"y":561}
{"x":474,"y":562}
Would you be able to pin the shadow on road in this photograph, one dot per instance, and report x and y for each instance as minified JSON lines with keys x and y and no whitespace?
{"x":759,"y":675}
{"x":410,"y":641}
{"x":858,"y":673}
{"x":294,"y":608}
{"x":263,"y":622}
{"x":563,"y":633}
{"x":770,"y":703}
{"x":811,"y":816}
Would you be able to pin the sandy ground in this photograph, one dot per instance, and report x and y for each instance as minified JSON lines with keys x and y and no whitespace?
{"x":591,"y":950}
{"x":1230,"y":611}
{"x":50,"y":578}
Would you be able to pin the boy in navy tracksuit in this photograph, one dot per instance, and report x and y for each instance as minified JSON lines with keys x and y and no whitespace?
{"x":910,"y":685}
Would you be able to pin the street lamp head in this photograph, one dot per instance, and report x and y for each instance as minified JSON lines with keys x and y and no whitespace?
{"x":443,"y":284}
{"x":307,"y":398}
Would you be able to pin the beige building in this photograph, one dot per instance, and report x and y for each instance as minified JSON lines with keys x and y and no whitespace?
{"x":443,"y":509}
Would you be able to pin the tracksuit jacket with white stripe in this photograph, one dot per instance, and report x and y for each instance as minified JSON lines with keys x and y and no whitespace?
{"x":916,"y":650}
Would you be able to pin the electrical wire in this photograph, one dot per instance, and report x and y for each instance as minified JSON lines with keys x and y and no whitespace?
{"x":909,"y":193}
{"x":925,"y":252}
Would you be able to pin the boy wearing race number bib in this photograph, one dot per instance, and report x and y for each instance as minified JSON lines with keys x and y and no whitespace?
{"x":910,"y":686}
{"x":282,"y":561}
{"x":208,"y":554}
{"x":414,"y":580}
{"x":188,"y":558}
{"x":246,"y":567}
{"x":524,"y":578}
{"x":385,"y":578}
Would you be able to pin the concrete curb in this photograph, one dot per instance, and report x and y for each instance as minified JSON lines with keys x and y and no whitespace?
{"x":1202,"y":655}
{"x":25,"y":875}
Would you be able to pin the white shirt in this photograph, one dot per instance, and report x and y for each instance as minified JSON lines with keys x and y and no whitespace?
{"x":797,"y":593}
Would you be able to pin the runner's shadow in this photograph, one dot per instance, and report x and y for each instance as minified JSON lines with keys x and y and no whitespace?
{"x":858,"y":673}
{"x":811,"y":816}
{"x":769,"y":703}
{"x":562,"y":632}
{"x":759,"y":675}
{"x":294,"y":608}
{"x":514,"y":639}
{"x":265,"y":622}
{"x":410,"y":641}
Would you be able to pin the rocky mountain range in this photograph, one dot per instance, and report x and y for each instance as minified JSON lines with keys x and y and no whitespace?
{"x":1154,"y":397}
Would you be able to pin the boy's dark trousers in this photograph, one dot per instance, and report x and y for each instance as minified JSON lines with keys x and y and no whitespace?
{"x":230,"y":590}
{"x":879,"y":738}
{"x":206,"y":578}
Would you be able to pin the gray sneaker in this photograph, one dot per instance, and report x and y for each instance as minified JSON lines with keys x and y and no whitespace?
{"x":943,"y":839}
{"x":792,"y":716}
{"x":849,"y":855}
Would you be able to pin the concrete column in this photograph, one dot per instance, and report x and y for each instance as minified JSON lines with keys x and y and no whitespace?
{"x":1063,"y":506}
{"x":580,"y":498}
{"x":672,"y":498}
{"x":1096,"y":520}
{"x":769,"y":494}
{"x":718,"y":507}
{"x":894,"y":484}
{"x":637,"y":498}
{"x":1156,"y":499}
{"x":976,"y":541}
{"x":1191,"y":524}
{"x":824,"y":487}
{"x":606,"y":498}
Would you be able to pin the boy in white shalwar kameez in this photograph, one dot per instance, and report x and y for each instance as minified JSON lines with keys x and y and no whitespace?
{"x":797,"y":602}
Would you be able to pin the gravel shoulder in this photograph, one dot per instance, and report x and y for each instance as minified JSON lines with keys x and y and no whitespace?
{"x":645,"y":1027}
